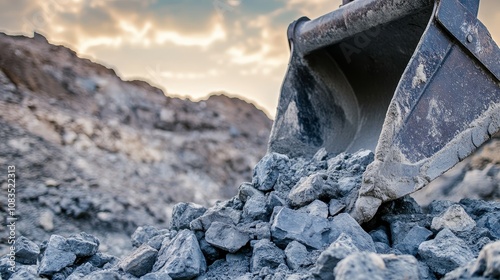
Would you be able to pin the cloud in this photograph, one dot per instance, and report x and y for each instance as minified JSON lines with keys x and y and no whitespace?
{"x":185,"y":46}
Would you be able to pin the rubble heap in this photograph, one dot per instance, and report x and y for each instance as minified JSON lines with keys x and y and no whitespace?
{"x":290,"y":222}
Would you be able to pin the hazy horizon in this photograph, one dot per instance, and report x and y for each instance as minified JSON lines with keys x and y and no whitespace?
{"x":188,"y":48}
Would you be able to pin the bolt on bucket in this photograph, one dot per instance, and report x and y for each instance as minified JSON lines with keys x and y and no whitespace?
{"x":416,"y":81}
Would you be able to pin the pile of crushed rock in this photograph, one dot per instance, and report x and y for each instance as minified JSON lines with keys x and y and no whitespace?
{"x":290,"y":222}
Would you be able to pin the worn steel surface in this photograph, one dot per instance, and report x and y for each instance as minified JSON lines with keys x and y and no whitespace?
{"x":416,"y":80}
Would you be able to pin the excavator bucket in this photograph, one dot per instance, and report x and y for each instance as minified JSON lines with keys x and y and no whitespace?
{"x":417,"y":81}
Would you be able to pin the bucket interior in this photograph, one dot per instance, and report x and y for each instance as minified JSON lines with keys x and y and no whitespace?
{"x":359,"y":76}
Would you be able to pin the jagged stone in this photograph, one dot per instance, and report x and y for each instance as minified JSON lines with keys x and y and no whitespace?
{"x":437,"y":207}
{"x":246,"y":190}
{"x":181,"y":257}
{"x":488,"y":262}
{"x":267,"y":171}
{"x":476,"y":238}
{"x":335,"y":206}
{"x":401,"y":267}
{"x":100,"y":259}
{"x":380,"y":235}
{"x":159,"y":275}
{"x":231,"y":268}
{"x":307,"y":190}
{"x":184,"y":213}
{"x":103,"y":275}
{"x":56,"y":256}
{"x":296,"y":255}
{"x":81,"y":271}
{"x":266,"y":254}
{"x":226,"y":237}
{"x":412,"y":239}
{"x":26,"y":251}
{"x":344,"y":223}
{"x":218,"y":213}
{"x":491,"y":221}
{"x":83,"y":244}
{"x":316,"y":208}
{"x":289,"y":225}
{"x":363,"y":265}
{"x":256,"y":208}
{"x":329,"y":258}
{"x":454,"y":218}
{"x":139,"y":262}
{"x":25,"y":274}
{"x":445,"y":252}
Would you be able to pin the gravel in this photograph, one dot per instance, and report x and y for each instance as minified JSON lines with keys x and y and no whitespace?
{"x":291,"y":222}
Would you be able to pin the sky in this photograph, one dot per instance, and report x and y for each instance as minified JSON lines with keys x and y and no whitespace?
{"x":188,"y":48}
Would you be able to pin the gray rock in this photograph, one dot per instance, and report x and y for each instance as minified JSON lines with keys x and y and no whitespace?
{"x":491,"y":221}
{"x":256,"y":208}
{"x":25,"y":274}
{"x":399,"y":230}
{"x":227,"y":269}
{"x":401,"y":267}
{"x":329,"y":258}
{"x":361,"y":157}
{"x":226,"y":237}
{"x":315,"y":208}
{"x":307,"y":190}
{"x":360,"y":266}
{"x":83,"y":244}
{"x":266,"y":254}
{"x":296,"y":255}
{"x":184,"y":213}
{"x":416,"y":235}
{"x":288,"y":225}
{"x":424,"y":272}
{"x":476,"y":238}
{"x":488,"y":262}
{"x":82,"y":271}
{"x":218,"y":213}
{"x":159,"y":275}
{"x":211,"y":253}
{"x":262,"y":231}
{"x":246,"y":190}
{"x":103,"y":275}
{"x":274,"y":200}
{"x":26,"y":251}
{"x":182,"y":257}
{"x":445,"y":252}
{"x":156,"y":241}
{"x":344,"y":223}
{"x":380,"y":235}
{"x":139,"y":262}
{"x":56,"y":256}
{"x":437,"y":207}
{"x":100,"y":259}
{"x":454,"y":218}
{"x":267,"y":171}
{"x":142,"y":234}
{"x":335,"y":206}
{"x":382,"y":248}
